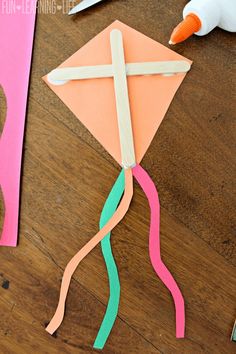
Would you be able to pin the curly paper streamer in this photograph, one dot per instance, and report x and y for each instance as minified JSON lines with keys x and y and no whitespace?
{"x":149,"y":189}
{"x":74,"y":262}
{"x":114,"y":282}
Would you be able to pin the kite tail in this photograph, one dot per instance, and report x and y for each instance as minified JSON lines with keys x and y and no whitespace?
{"x":74,"y":262}
{"x":114,"y":282}
{"x":149,"y":189}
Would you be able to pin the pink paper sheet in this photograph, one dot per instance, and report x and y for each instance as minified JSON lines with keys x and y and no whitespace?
{"x":16,"y":39}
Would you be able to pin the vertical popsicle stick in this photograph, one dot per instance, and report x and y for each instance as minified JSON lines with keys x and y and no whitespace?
{"x":122,"y":100}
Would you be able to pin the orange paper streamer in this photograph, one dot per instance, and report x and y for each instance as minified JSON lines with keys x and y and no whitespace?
{"x":74,"y":262}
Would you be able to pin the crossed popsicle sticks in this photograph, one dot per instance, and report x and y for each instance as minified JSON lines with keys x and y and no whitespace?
{"x":119,"y":70}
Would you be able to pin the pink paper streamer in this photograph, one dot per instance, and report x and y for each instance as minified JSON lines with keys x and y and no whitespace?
{"x":150,"y":190}
{"x":16,"y":39}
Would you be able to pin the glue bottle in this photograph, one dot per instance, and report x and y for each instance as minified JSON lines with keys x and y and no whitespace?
{"x":202,"y":16}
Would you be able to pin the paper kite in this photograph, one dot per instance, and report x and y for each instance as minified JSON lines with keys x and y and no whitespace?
{"x":120,"y":85}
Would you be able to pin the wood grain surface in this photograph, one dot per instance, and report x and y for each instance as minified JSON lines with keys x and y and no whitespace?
{"x":67,"y":176}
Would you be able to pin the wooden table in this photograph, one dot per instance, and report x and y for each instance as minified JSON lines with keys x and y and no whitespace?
{"x":192,"y":161}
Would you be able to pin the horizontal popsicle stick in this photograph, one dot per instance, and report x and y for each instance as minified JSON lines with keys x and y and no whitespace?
{"x":158,"y":67}
{"x":132,"y":69}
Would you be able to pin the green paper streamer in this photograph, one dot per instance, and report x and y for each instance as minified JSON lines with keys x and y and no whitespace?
{"x":233,"y":336}
{"x":109,"y":209}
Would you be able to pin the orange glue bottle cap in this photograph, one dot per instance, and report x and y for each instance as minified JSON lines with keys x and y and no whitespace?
{"x":190,"y":25}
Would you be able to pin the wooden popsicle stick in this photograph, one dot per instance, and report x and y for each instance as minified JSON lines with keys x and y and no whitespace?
{"x":122,"y":100}
{"x":158,"y":67}
{"x":81,"y":72}
{"x":132,"y":69}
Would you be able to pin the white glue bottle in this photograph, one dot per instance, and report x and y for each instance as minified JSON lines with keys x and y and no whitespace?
{"x":202,"y":16}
